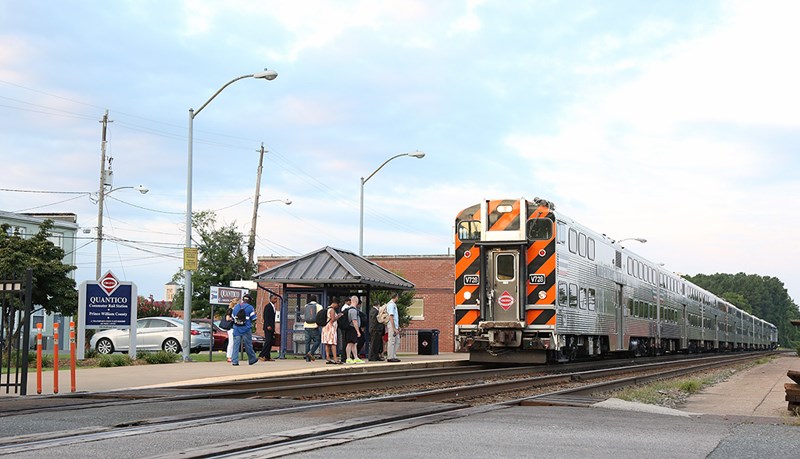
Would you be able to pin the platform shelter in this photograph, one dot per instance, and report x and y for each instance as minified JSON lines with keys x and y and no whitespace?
{"x":328,"y":272}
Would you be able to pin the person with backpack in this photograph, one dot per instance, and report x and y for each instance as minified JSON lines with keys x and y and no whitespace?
{"x":393,"y":329}
{"x":244,"y":314}
{"x":329,"y":332}
{"x":352,"y":332}
{"x":269,"y":328}
{"x":310,"y":327}
{"x":376,"y":331}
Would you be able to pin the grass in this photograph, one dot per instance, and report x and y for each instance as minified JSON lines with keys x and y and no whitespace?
{"x":674,"y":392}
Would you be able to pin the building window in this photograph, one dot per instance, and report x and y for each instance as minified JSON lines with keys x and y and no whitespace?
{"x":57,"y":239}
{"x":417,"y":309}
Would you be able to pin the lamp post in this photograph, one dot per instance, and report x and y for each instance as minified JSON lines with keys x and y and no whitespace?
{"x":187,"y":274}
{"x":637,"y":239}
{"x":251,"y":243}
{"x":100,"y":200}
{"x":417,"y":154}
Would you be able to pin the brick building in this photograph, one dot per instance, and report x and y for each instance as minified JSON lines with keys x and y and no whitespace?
{"x":432,"y":276}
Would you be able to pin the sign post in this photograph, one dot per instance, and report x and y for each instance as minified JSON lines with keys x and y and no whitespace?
{"x":107,"y":303}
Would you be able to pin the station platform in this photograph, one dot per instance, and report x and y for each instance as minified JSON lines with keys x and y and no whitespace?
{"x":200,"y":370}
{"x":755,"y":392}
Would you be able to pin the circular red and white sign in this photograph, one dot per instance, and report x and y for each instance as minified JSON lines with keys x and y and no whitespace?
{"x":467,"y":254}
{"x":542,"y":253}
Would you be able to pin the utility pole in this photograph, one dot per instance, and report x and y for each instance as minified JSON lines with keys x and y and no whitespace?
{"x":251,"y":243}
{"x":104,"y":179}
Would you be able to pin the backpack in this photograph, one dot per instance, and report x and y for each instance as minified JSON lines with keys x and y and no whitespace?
{"x":310,"y":312}
{"x":322,"y":317}
{"x":383,"y":315}
{"x":241,"y":317}
{"x":344,"y":324}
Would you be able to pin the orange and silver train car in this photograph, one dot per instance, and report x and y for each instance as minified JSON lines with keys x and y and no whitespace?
{"x":534,"y":286}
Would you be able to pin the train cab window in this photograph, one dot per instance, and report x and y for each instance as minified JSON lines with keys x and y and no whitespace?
{"x":505,"y":267}
{"x":469,"y":230}
{"x":562,"y":294}
{"x":573,"y":241}
{"x":540,"y":229}
{"x":590,"y":249}
{"x":592,"y":299}
{"x":573,"y":295}
{"x":582,"y":244}
{"x":584,"y":300}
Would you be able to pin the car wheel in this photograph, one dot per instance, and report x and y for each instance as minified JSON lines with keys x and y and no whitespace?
{"x":171,"y":345}
{"x":105,"y":346}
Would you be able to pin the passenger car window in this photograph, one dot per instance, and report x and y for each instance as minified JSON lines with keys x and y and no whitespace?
{"x":504,"y":267}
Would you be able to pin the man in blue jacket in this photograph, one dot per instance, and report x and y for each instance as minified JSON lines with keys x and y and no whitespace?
{"x":244,"y":314}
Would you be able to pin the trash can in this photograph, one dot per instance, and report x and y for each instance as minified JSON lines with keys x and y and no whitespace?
{"x":428,"y":342}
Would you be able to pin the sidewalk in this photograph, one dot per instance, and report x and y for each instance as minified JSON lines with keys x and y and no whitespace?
{"x":197,"y":371}
{"x":757,"y":391}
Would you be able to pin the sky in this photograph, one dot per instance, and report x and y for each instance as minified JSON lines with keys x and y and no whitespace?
{"x":673,"y":122}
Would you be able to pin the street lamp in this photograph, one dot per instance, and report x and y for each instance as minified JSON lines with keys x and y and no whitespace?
{"x":187,"y":274}
{"x":100,"y":199}
{"x":417,"y":154}
{"x":637,"y":239}
{"x":251,"y":243}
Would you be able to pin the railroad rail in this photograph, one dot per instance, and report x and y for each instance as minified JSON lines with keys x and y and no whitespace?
{"x":392,"y":416}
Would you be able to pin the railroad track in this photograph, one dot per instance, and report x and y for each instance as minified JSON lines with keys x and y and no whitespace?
{"x":392,"y":417}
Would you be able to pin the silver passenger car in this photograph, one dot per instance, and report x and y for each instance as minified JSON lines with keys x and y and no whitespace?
{"x":152,"y":334}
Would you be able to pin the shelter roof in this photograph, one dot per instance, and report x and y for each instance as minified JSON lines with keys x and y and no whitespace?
{"x":333,"y":267}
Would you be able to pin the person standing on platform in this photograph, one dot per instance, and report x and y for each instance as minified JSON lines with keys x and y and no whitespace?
{"x":269,"y":328}
{"x":229,"y":317}
{"x":312,"y":330}
{"x":376,"y":331}
{"x":329,"y":333}
{"x":393,"y":328}
{"x":244,"y":314}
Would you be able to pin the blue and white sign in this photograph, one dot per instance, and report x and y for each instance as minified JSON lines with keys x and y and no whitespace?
{"x":106,"y":303}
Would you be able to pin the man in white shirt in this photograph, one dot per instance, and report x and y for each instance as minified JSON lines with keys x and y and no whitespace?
{"x":393,"y":329}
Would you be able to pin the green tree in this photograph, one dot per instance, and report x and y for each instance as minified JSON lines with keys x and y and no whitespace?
{"x":52,"y":288}
{"x":222,"y":259}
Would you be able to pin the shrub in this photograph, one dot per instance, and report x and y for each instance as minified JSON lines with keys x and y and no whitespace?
{"x":114,"y":360}
{"x":159,"y":357}
{"x":691,"y":386}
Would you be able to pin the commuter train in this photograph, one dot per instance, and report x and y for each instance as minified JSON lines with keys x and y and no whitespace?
{"x":534,"y":286}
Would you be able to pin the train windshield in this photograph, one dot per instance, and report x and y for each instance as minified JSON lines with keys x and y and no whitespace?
{"x":469,"y":230}
{"x":540,"y":229}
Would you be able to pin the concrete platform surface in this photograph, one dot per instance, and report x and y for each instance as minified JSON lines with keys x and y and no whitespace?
{"x":757,"y":391}
{"x":200,"y":370}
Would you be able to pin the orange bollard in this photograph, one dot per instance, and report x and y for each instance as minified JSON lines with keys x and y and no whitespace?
{"x":72,"y":356}
{"x":38,"y":358}
{"x":55,"y":358}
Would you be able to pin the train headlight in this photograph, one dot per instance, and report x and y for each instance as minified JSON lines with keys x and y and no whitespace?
{"x":467,"y":295}
{"x":542,"y":295}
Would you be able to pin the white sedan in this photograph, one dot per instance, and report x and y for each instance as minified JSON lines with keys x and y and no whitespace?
{"x":152,"y":334}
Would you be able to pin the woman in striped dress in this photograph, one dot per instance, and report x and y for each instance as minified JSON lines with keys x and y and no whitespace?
{"x":329,"y":333}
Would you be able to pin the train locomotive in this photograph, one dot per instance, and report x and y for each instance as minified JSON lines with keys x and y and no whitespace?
{"x":534,"y":286}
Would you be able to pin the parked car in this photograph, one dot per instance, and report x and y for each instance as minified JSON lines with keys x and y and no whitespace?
{"x":221,"y":336}
{"x":152,"y":334}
